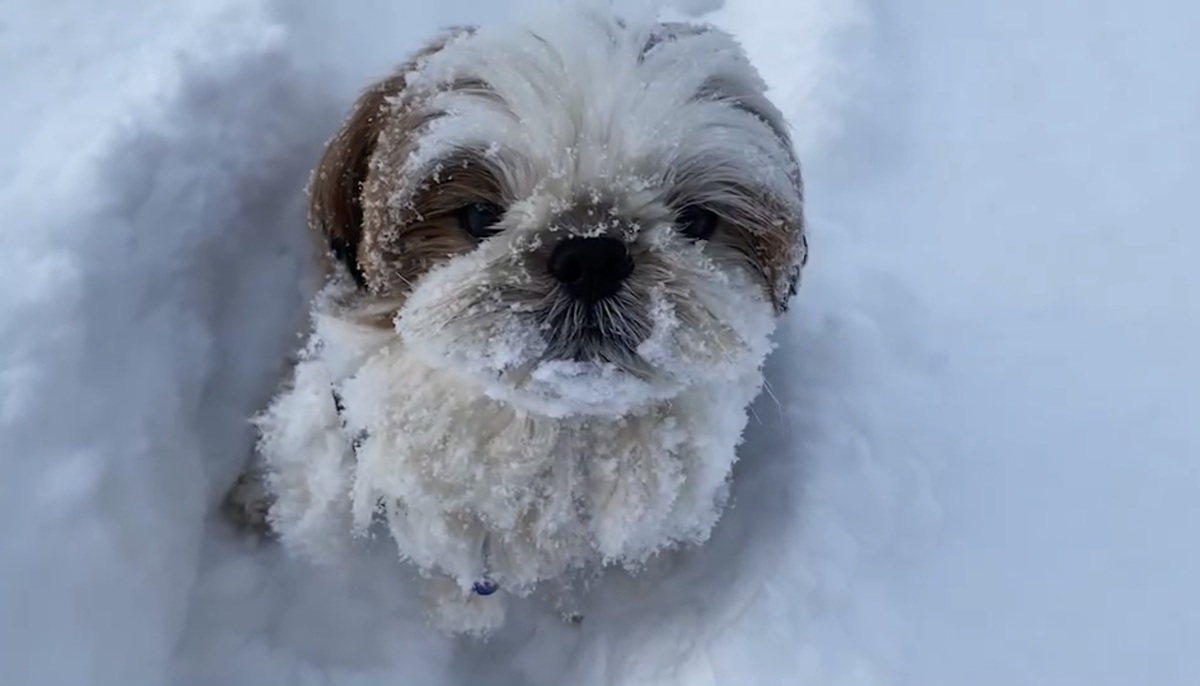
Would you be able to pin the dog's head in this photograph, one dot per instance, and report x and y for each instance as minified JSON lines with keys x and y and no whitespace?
{"x":578,"y":219}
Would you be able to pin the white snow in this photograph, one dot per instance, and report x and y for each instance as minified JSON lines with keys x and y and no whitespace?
{"x":978,"y":463}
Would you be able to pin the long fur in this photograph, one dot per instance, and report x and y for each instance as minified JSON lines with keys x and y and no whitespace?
{"x":501,"y":429}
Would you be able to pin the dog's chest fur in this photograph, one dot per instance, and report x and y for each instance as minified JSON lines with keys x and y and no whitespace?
{"x":471,"y":487}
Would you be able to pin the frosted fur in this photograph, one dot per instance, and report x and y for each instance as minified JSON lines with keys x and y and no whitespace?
{"x":450,"y":463}
{"x":310,"y":459}
{"x":708,"y":325}
{"x":485,"y":452}
{"x":556,"y":489}
{"x":584,"y":106}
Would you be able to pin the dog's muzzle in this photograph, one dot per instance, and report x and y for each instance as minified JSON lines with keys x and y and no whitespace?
{"x":593,"y":315}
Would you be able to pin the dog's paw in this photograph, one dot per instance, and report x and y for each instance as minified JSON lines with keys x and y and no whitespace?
{"x":246,"y":506}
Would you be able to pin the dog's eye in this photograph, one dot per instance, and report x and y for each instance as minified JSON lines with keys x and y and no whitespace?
{"x":479,"y":219}
{"x":696,"y":223}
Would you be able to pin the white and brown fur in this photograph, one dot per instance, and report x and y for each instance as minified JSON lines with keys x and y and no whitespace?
{"x":493,"y":434}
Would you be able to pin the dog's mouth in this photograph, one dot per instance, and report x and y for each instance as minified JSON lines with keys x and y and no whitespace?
{"x":607,"y":331}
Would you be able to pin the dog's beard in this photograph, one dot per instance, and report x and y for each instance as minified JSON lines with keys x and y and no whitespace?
{"x":490,"y":452}
{"x":681,"y":318}
{"x":510,"y":439}
{"x":472,"y":487}
{"x":607,"y":332}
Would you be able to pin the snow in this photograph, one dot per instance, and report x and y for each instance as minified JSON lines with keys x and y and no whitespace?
{"x":977,"y":463}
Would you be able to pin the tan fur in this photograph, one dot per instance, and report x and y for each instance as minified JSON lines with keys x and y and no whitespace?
{"x":386,"y":249}
{"x":766,"y":237}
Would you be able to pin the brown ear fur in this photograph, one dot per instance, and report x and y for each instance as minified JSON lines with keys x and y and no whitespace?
{"x":335,"y":210}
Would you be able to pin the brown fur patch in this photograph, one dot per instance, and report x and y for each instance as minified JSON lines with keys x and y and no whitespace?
{"x":403,"y":240}
{"x":384,"y":248}
{"x":769,"y":235}
{"x":774,"y":241}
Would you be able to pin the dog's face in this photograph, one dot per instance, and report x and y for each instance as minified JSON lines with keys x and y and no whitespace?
{"x":578,"y":220}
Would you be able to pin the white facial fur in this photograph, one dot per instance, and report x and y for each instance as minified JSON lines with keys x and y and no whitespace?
{"x":487,"y":451}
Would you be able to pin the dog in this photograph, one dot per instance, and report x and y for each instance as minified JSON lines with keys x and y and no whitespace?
{"x":555,"y":255}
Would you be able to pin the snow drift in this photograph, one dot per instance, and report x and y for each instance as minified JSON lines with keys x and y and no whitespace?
{"x":146,"y":236}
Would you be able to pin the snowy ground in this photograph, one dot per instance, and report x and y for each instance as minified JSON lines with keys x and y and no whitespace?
{"x":980,"y":465}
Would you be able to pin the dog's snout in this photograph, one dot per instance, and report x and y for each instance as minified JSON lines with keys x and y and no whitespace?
{"x":591,"y":269}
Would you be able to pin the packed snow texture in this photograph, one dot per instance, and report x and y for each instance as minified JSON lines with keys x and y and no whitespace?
{"x":977,"y":463}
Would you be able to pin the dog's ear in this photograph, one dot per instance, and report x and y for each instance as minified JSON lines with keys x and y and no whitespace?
{"x":335,"y":210}
{"x":335,"y":190}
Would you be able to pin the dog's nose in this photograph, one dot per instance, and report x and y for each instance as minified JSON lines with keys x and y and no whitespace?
{"x":591,"y":269}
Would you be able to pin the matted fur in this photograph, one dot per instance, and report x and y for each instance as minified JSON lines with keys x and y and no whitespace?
{"x":499,"y":428}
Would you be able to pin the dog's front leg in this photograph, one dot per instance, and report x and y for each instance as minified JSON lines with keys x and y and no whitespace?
{"x":296,"y":485}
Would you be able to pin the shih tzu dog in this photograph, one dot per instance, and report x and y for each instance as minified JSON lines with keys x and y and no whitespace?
{"x":556,"y":254}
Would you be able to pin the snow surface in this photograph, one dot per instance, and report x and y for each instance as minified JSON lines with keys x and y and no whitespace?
{"x":978,"y":464}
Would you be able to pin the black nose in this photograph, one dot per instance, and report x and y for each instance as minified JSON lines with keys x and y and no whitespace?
{"x":591,"y":269}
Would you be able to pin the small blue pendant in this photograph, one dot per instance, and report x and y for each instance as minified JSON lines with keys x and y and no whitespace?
{"x":485,"y":587}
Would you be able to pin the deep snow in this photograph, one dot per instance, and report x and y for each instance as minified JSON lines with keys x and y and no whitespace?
{"x":977,"y":464}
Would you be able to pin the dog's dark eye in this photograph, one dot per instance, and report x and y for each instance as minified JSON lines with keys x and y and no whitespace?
{"x":479,"y":219}
{"x":696,"y":223}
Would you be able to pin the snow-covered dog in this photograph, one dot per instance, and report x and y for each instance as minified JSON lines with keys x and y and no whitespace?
{"x":556,"y":256}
